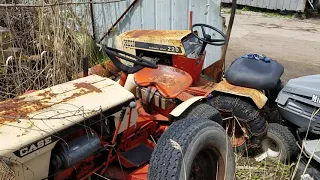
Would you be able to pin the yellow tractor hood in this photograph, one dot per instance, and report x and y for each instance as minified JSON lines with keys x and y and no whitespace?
{"x":168,"y":41}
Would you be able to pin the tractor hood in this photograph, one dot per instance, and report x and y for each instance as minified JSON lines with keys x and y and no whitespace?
{"x":307,"y":87}
{"x":168,"y":41}
{"x":310,"y":83}
{"x":31,"y":122}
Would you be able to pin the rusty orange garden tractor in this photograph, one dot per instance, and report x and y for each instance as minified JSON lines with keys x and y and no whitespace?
{"x":245,"y":95}
{"x":93,"y":127}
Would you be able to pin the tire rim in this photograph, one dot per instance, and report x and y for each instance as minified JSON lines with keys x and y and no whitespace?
{"x":206,"y":165}
{"x":236,"y":129}
{"x":271,"y":148}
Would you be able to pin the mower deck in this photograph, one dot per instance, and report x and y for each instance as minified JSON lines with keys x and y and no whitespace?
{"x":313,"y":147}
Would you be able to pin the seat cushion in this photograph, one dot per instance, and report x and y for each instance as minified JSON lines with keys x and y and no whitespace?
{"x":253,"y":73}
{"x":169,"y":81}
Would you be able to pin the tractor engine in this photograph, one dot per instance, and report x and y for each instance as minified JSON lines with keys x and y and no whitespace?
{"x":81,"y":149}
{"x":75,"y":151}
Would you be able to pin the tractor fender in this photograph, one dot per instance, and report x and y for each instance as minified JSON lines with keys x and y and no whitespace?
{"x":185,"y":105}
{"x":130,"y":84}
{"x":258,"y":97}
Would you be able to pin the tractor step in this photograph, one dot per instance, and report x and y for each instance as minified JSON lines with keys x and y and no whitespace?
{"x":313,"y":146}
{"x":138,"y":155}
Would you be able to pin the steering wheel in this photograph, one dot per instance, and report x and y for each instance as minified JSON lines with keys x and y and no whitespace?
{"x":138,"y":63}
{"x":207,"y":39}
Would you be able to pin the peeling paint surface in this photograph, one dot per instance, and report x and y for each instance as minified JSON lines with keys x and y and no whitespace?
{"x":257,"y":96}
{"x":36,"y":115}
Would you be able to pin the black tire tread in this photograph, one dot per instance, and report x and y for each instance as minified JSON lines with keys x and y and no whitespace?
{"x":247,"y":112}
{"x":288,"y":140}
{"x":182,"y":132}
{"x":203,"y":111}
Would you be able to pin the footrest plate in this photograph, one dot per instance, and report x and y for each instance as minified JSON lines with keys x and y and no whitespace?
{"x":138,"y":155}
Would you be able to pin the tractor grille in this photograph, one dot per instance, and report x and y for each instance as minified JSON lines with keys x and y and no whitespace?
{"x":316,"y":128}
{"x":5,"y":171}
{"x":305,"y":110}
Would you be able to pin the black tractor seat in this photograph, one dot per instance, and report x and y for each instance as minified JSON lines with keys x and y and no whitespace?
{"x":253,"y":73}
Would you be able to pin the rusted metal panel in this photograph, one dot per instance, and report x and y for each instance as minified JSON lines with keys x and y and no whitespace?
{"x":14,"y":109}
{"x":32,"y":116}
{"x":155,"y":34}
{"x":292,"y":5}
{"x":257,"y":96}
{"x":154,"y":40}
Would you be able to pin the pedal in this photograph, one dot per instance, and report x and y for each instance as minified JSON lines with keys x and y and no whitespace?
{"x":137,"y":155}
{"x":311,"y":146}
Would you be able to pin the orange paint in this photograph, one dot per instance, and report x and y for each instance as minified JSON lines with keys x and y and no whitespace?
{"x":169,"y":81}
{"x":139,"y":174}
{"x":189,"y":65}
{"x":123,"y":79}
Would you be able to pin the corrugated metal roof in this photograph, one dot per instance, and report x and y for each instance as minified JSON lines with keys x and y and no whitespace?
{"x":161,"y":15}
{"x":292,"y":5}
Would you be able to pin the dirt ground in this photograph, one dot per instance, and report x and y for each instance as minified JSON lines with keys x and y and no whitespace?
{"x":293,"y":42}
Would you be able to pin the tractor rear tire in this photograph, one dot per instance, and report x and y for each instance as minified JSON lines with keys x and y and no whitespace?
{"x":245,"y":111}
{"x":203,"y":111}
{"x":280,"y":143}
{"x":193,"y":149}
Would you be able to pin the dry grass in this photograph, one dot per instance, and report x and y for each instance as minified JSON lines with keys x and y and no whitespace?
{"x":51,"y":42}
{"x":6,"y":173}
{"x":249,"y":168}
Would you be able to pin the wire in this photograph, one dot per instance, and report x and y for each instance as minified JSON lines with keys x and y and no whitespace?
{"x":101,"y":176}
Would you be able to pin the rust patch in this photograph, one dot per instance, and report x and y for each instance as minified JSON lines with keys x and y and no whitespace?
{"x":163,"y":34}
{"x":16,"y":108}
{"x":167,"y":80}
{"x":87,"y":86}
{"x":13,"y":109}
{"x":138,"y":33}
{"x":47,"y":94}
{"x":257,"y":96}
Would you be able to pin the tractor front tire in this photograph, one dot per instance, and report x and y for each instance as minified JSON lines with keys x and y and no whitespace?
{"x":280,"y":143}
{"x":193,"y":149}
